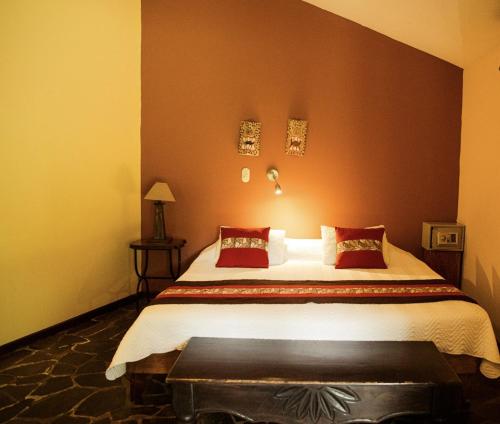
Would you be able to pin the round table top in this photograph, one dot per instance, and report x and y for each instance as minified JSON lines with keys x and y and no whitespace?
{"x":152,"y":244}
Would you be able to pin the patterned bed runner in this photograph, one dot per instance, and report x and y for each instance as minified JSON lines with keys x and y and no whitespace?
{"x":273,"y":291}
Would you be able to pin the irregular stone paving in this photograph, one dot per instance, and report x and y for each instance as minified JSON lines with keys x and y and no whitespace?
{"x":60,"y":379}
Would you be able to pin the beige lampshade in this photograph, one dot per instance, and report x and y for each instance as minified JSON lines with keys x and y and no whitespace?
{"x":160,"y":191}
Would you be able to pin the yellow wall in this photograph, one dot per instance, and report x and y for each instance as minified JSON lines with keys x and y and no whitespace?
{"x":69,"y":157}
{"x":479,"y":198}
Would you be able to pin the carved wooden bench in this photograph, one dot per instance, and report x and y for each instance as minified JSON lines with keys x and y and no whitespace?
{"x":286,"y":381}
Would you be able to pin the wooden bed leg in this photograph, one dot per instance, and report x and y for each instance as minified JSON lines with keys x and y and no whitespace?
{"x":137,"y":385}
{"x":139,"y":372}
{"x":463,"y":364}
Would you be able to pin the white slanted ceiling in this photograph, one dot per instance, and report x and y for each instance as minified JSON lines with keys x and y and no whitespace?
{"x":458,"y":31}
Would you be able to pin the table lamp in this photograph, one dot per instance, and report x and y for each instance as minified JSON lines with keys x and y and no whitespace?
{"x":160,"y":193}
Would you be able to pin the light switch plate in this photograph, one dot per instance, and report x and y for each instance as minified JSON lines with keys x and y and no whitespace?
{"x":245,"y":175}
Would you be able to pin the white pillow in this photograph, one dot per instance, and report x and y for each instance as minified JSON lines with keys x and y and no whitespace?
{"x":304,"y":249}
{"x":330,"y":245}
{"x":276,"y":248}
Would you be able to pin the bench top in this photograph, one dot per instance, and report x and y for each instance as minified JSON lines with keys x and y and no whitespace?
{"x":260,"y":361}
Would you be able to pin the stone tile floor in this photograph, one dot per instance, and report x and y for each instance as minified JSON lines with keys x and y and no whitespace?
{"x":60,"y":379}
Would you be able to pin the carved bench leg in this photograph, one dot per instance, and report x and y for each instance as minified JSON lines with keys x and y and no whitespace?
{"x":449,"y":405}
{"x":458,"y":418}
{"x":183,"y":403}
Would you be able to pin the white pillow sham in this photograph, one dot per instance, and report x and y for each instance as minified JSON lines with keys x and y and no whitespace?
{"x":330,"y":245}
{"x":276,"y":248}
{"x":304,"y":249}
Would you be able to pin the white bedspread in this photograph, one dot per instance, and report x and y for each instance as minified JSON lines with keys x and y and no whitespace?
{"x":456,"y":327}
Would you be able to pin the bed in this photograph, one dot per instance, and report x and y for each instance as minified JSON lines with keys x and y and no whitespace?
{"x":456,"y":326}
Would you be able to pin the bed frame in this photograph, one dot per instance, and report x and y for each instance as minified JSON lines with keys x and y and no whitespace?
{"x":161,"y":363}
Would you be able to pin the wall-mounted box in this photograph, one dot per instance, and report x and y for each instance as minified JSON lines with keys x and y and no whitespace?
{"x":443,"y":236}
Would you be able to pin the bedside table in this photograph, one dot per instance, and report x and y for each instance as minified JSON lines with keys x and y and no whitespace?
{"x":168,"y":246}
{"x":447,"y":263}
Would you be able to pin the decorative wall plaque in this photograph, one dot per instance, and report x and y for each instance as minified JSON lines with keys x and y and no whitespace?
{"x":249,"y":144}
{"x":296,"y":137}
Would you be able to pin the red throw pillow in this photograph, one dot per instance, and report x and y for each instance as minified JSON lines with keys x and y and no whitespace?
{"x":243,"y":248}
{"x":359,"y":248}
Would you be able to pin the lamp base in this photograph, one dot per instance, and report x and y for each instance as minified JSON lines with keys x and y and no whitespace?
{"x":159,"y":224}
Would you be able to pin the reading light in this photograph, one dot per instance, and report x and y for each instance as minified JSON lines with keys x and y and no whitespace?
{"x":272,"y":175}
{"x":160,"y":193}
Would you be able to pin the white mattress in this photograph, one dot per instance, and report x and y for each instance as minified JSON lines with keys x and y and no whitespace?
{"x":456,"y":327}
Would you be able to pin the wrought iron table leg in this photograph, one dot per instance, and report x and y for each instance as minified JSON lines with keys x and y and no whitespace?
{"x":171,"y":268}
{"x":175,"y":274}
{"x":141,"y":277}
{"x":145,"y":273}
{"x":178,"y":274}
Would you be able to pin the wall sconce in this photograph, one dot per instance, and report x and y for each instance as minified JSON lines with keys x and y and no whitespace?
{"x":272,"y":175}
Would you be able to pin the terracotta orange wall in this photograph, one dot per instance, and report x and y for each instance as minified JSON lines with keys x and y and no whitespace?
{"x":384,"y":121}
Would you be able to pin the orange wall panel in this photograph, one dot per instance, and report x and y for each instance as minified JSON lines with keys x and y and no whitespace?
{"x":384,"y":121}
